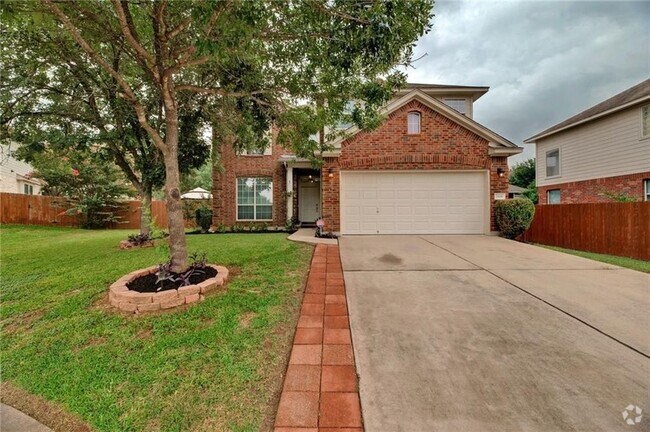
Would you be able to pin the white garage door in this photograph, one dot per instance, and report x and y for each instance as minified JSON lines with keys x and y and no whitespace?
{"x":413,"y":202}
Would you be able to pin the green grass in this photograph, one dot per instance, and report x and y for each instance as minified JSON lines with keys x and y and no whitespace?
{"x":631,"y":263}
{"x":213,"y":366}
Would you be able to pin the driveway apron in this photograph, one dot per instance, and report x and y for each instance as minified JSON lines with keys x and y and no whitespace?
{"x":478,"y":333}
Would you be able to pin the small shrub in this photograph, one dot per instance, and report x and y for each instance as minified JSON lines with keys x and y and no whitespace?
{"x":204,"y":218}
{"x":619,"y":197}
{"x":259,"y":227}
{"x":514,"y":216}
{"x":221,"y":228}
{"x":291,"y":224}
{"x":140,"y":239}
{"x":237,"y":228}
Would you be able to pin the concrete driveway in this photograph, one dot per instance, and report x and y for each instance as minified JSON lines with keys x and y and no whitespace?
{"x":479,"y":333}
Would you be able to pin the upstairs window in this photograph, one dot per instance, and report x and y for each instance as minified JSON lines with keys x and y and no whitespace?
{"x":413,"y":123}
{"x":265,"y":147}
{"x":28,"y":189}
{"x":553,"y":163}
{"x":645,"y":121}
{"x":459,"y":105}
{"x":347,"y":112}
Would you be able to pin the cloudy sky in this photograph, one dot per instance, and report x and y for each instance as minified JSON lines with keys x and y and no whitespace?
{"x":544,"y":61}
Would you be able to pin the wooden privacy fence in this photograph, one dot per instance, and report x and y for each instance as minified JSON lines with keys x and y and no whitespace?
{"x":621,"y":229}
{"x":47,"y":210}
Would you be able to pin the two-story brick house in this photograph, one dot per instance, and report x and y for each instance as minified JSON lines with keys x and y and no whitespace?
{"x":599,"y":153}
{"x":428,"y":169}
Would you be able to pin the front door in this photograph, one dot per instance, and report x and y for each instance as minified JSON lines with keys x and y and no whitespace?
{"x":309,"y":200}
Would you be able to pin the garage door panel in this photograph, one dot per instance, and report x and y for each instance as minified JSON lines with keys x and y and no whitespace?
{"x":369,"y":211}
{"x":413,"y":202}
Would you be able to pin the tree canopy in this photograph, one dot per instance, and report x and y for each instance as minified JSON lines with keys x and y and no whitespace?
{"x":523,"y":173}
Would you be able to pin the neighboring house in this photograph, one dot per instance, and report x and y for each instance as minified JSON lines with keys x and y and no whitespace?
{"x":515,"y":191}
{"x":600,"y":152}
{"x":15,"y":175}
{"x":428,"y":169}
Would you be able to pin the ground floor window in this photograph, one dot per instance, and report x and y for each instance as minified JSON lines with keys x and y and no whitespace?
{"x":553,"y":196}
{"x":28,"y":189}
{"x":646,"y":190}
{"x":254,"y":198}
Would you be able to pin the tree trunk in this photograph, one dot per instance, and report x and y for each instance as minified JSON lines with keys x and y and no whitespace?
{"x":176,"y":221}
{"x":145,"y":209}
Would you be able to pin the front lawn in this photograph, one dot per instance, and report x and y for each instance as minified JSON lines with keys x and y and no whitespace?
{"x":631,"y":263}
{"x":211,"y":367}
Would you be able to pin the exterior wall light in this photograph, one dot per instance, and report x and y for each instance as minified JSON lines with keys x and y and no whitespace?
{"x":330,"y":173}
{"x":501,"y":172}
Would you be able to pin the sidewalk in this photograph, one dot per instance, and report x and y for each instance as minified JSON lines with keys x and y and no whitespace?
{"x":320,"y":390}
{"x":12,"y":420}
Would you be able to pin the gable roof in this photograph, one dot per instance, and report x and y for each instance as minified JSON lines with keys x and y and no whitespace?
{"x":629,"y":97}
{"x":498,"y":144}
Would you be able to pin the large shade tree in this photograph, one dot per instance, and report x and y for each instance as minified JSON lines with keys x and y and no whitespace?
{"x":294,"y":63}
{"x":72,"y":106}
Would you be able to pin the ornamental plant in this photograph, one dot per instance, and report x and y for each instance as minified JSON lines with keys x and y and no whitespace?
{"x":89,"y":185}
{"x":514,"y":216}
{"x":204,"y":218}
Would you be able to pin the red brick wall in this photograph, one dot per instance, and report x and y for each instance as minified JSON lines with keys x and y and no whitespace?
{"x":593,"y":191}
{"x":224,"y":187}
{"x":441,"y":144}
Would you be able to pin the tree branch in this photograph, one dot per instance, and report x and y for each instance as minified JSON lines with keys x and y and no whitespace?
{"x":214,"y":17}
{"x":137,"y":106}
{"x":131,"y":38}
{"x":337,"y":13}
{"x":219,"y":91}
{"x":171,"y":34}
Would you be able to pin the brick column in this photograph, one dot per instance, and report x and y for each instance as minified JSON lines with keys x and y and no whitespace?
{"x":330,"y":194}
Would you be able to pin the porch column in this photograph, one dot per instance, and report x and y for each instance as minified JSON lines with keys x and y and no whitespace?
{"x":289,"y":193}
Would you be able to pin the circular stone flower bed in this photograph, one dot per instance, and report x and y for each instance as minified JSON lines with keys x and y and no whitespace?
{"x":133,"y":297}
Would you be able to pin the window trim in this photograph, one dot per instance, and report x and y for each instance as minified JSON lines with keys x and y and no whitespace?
{"x":646,"y":136}
{"x":548,"y":196}
{"x":408,"y":123}
{"x":254,"y":203}
{"x":559,"y":164}
{"x":646,"y":190}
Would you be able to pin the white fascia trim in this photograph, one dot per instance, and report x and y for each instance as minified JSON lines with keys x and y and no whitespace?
{"x":440,"y":107}
{"x":470,"y":92}
{"x":504,"y":151}
{"x":534,"y":138}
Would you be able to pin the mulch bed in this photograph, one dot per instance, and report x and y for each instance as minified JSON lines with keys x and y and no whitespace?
{"x":147,"y":284}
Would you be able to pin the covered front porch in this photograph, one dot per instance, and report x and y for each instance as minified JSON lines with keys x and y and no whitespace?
{"x":303,"y":191}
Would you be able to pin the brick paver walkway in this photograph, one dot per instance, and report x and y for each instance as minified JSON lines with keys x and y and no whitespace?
{"x":320,"y":392}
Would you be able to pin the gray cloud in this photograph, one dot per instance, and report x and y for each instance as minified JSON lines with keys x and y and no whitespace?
{"x":544,"y":61}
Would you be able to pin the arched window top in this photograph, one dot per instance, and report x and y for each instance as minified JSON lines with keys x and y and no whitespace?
{"x":413,"y":124}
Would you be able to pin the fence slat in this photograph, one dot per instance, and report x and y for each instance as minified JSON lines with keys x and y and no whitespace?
{"x":621,"y":229}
